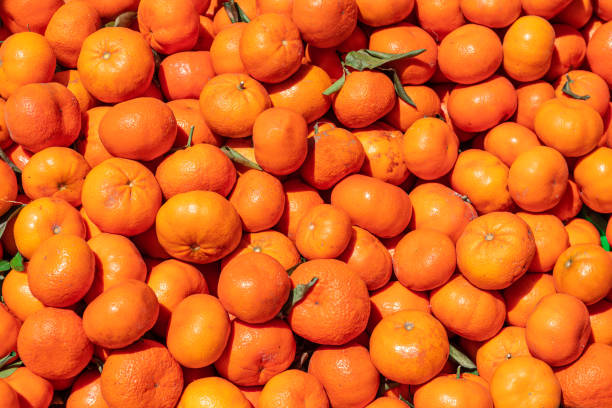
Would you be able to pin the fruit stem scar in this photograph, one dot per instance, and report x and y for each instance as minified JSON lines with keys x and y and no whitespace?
{"x":106,"y":55}
{"x":489,"y":236}
{"x":408,"y":326}
{"x":194,"y":247}
{"x":56,"y":229}
{"x":241,"y":86}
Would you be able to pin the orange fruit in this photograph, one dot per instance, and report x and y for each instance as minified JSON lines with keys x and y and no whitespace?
{"x":333,"y":153}
{"x":256,"y":352}
{"x":581,"y":231}
{"x":591,"y":175}
{"x":41,"y":219}
{"x":293,"y":389}
{"x":597,"y":49}
{"x":424,"y":259}
{"x":121,"y":315}
{"x":495,"y":250}
{"x":585,"y":83}
{"x":138,"y":129}
{"x":259,"y":200}
{"x":8,"y":395}
{"x":215,"y":391}
{"x":381,"y":208}
{"x":446,"y":390}
{"x":404,"y":37}
{"x":32,"y":390}
{"x":392,"y":298}
{"x":248,"y":99}
{"x":43,"y":115}
{"x":22,"y":15}
{"x":439,"y":18}
{"x":55,"y":172}
{"x":468,"y":311}
{"x":494,"y":14}
{"x":483,"y":178}
{"x":115,"y":64}
{"x":365,"y":97}
{"x":470,"y":54}
{"x":271,"y":48}
{"x":172,"y":281}
{"x":183,"y":75}
{"x":225,"y":50}
{"x":569,"y":52}
{"x":576,"y":14}
{"x":68,"y":28}
{"x":61,"y":270}
{"x":531,"y":96}
{"x":336,"y":309}
{"x":584,"y":271}
{"x":509,"y":139}
{"x":109,"y":9}
{"x":299,"y":198}
{"x":523,"y":380}
{"x":17,"y":295}
{"x":571,"y":128}
{"x":325,"y":58}
{"x":199,"y":330}
{"x":116,"y":260}
{"x":437,"y":207}
{"x":89,"y":144}
{"x":600,"y":316}
{"x":303,"y":92}
{"x":323,"y":232}
{"x":409,"y":330}
{"x":368,"y":257}
{"x":253,"y":287}
{"x":198,"y":226}
{"x":169,"y":26}
{"x":558,"y":329}
{"x":272,"y":243}
{"x":586,"y":382}
{"x":528,"y":47}
{"x":121,"y":196}
{"x":86,"y":391}
{"x":188,"y":114}
{"x":570,"y":204}
{"x":10,"y":325}
{"x":280,"y":140}
{"x":27,"y":58}
{"x":547,"y":172}
{"x":430,"y":148}
{"x":508,"y":343}
{"x":53,"y":344}
{"x":403,"y":115}
{"x":546,"y":9}
{"x":148,"y":364}
{"x":524,"y":294}
{"x":376,"y":14}
{"x":325,"y":24}
{"x":479,"y":107}
{"x":9,"y":188}
{"x":551,"y":240}
{"x":347,"y":374}
{"x":198,"y":167}
{"x":71,"y":79}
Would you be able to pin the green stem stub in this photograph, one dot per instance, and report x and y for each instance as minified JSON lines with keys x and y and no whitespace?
{"x":567,"y":89}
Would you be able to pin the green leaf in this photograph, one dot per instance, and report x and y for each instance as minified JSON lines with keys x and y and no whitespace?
{"x":123,"y":20}
{"x":235,"y":12}
{"x":8,"y":161}
{"x":294,"y":267}
{"x":240,"y":159}
{"x":405,"y":401}
{"x":6,"y":265}
{"x":336,"y":86}
{"x":190,"y":138}
{"x":4,"y":220}
{"x":599,"y":221}
{"x":5,"y":372}
{"x":567,"y":89}
{"x":17,"y":262}
{"x":242,"y":14}
{"x":296,"y":295}
{"x":460,"y":358}
{"x":7,"y":358}
{"x":368,"y":59}
{"x":399,"y":88}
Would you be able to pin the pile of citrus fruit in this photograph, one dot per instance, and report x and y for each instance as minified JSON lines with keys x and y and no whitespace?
{"x":305,"y":203}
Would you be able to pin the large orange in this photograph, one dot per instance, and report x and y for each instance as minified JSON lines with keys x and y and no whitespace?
{"x":558,"y":329}
{"x":121,"y":196}
{"x":115,"y":64}
{"x":531,"y":96}
{"x":17,"y":295}
{"x":381,"y":208}
{"x":404,"y":114}
{"x":525,"y":380}
{"x":169,"y":26}
{"x":509,"y":139}
{"x":148,"y":364}
{"x":585,"y":83}
{"x":325,"y":24}
{"x":551,"y":240}
{"x":86,"y":391}
{"x":592,"y":175}
{"x":198,"y":331}
{"x":270,"y":242}
{"x":569,"y":52}
{"x":336,"y":309}
{"x":472,"y":313}
{"x":584,"y":271}
{"x":89,"y":144}
{"x":53,"y":344}
{"x":494,"y":14}
{"x":409,"y":330}
{"x":183,"y":75}
{"x":495,"y":250}
{"x":24,"y":15}
{"x":323,"y":232}
{"x":225,"y":50}
{"x":198,"y":226}
{"x":439,"y":18}
{"x":299,"y":198}
{"x":597,"y":49}
{"x":293,"y":389}
{"x":376,"y":14}
{"x":446,"y":390}
{"x":347,"y":374}
{"x":508,"y":343}
{"x":392,"y":298}
{"x":256,"y":352}
{"x":524,"y":294}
